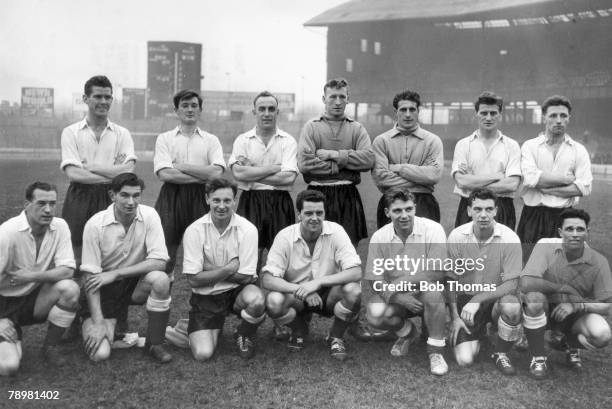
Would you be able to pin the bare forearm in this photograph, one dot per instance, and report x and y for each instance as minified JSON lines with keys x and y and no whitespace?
{"x":601,"y":308}
{"x":209,"y":278}
{"x":548,"y":179}
{"x":253,"y":173}
{"x":144,"y":267}
{"x":113,"y":170}
{"x":171,"y":175}
{"x":273,"y":283}
{"x":468,"y":181}
{"x":201,"y":172}
{"x":567,"y":191}
{"x":350,"y":275}
{"x":80,"y":175}
{"x":531,"y":284}
{"x":279,"y":179}
{"x":52,"y":276}
{"x":505,"y":288}
{"x":93,"y":301}
{"x":505,"y":185}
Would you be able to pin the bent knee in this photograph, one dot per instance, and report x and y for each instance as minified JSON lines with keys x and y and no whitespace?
{"x":464,"y":358}
{"x":510,"y":309}
{"x":351,"y":292}
{"x":375,"y":313}
{"x":599,"y":330}
{"x":202,"y":354}
{"x":68,"y":289}
{"x":275,"y":302}
{"x":255,"y":298}
{"x":9,"y":365}
{"x":533,"y":303}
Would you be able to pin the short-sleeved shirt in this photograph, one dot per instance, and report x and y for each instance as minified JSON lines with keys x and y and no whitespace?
{"x":504,"y":156}
{"x":202,"y":241}
{"x":495,"y":261}
{"x":201,"y":149}
{"x":421,"y":149}
{"x":18,"y":251}
{"x":589,"y":275}
{"x":572,"y":159}
{"x":79,"y":145}
{"x":108,"y":246}
{"x":427,"y":242}
{"x":290,"y":258}
{"x":281,"y":150}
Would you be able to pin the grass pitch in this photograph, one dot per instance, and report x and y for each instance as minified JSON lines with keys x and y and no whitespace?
{"x":275,"y":378}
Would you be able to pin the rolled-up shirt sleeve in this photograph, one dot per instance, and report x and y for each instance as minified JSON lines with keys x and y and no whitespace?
{"x":163,"y":157}
{"x":193,"y":252}
{"x":529,"y":168}
{"x":277,"y":262}
{"x":584,"y":175}
{"x":289,"y":156}
{"x":70,"y":151}
{"x":238,"y":149}
{"x":91,"y":260}
{"x":154,"y":240}
{"x":460,"y":156}
{"x":215,"y":154}
{"x":64,"y":255}
{"x":345,"y":254}
{"x":126,"y":146}
{"x":513,"y":168}
{"x":247,"y":250}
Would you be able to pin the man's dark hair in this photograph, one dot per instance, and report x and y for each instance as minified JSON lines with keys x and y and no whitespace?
{"x":126,"y":179}
{"x":407,"y":95}
{"x":336,"y":83}
{"x":394,"y":194}
{"x":220,"y":183}
{"x":47,"y":187}
{"x":556,"y":100}
{"x":572,"y":213}
{"x":97,"y":81}
{"x":482,"y":194}
{"x":186,"y":94}
{"x":489,"y":98}
{"x":308,"y":196}
{"x":264,"y":94}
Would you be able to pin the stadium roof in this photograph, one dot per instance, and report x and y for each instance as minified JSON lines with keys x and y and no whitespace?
{"x":379,"y":10}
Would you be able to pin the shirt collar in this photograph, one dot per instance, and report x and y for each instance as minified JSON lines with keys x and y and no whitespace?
{"x":324,"y":118}
{"x":206,"y":219}
{"x":419,"y":132}
{"x":468,"y":230}
{"x":109,"y":125}
{"x":297,"y":232}
{"x":109,"y":215}
{"x":253,"y":133}
{"x":23,"y":225}
{"x":198,"y":131}
{"x":566,"y":139}
{"x":588,"y":255}
{"x":499,"y":137}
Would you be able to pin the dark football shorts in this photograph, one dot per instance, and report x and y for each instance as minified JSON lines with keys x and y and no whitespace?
{"x":20,"y":310}
{"x":209,"y":311}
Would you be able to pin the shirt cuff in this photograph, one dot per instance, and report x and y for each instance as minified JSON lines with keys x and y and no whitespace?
{"x":342,"y":158}
{"x":73,"y":162}
{"x":275,"y":271}
{"x":129,"y":158}
{"x":90,"y":268}
{"x":532,"y":179}
{"x":67,"y":262}
{"x":162,"y":165}
{"x":584,"y":189}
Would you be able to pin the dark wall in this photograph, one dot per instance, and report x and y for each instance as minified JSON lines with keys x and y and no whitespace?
{"x":450,"y":65}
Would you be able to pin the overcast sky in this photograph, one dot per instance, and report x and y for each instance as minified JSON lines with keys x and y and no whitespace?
{"x":248,"y":45}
